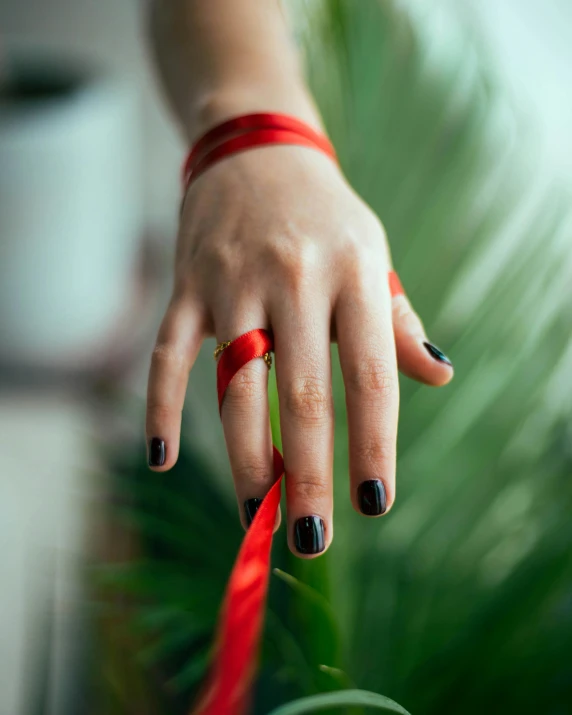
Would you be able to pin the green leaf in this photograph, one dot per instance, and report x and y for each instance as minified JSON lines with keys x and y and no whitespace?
{"x":316,"y":619}
{"x":338,"y":675}
{"x":308,"y":593}
{"x":340,"y":699}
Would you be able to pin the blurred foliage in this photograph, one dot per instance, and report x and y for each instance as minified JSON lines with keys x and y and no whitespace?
{"x":344,"y":698}
{"x":460,"y":601}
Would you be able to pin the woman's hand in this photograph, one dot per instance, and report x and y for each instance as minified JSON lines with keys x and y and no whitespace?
{"x":275,"y":238}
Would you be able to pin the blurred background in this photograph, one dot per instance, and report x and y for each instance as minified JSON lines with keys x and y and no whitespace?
{"x":452,"y":119}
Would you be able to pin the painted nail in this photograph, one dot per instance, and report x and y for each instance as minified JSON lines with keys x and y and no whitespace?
{"x":371,"y":497}
{"x":309,"y":535}
{"x":156,"y":452}
{"x":437,"y":354}
{"x":251,"y":506}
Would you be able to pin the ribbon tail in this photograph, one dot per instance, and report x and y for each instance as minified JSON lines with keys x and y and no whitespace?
{"x":236,"y":647}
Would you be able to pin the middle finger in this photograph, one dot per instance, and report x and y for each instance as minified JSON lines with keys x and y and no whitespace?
{"x":303,"y":373}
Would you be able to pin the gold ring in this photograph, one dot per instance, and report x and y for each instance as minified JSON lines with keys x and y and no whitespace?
{"x":221,"y":347}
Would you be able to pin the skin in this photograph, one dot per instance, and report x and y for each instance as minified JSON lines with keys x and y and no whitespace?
{"x":276,"y":238}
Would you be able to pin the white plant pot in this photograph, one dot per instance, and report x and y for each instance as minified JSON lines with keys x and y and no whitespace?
{"x":69,"y":214}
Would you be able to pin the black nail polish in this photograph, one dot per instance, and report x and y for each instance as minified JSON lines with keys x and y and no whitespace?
{"x":437,"y":354}
{"x":371,"y":497}
{"x":309,"y":535}
{"x":156,"y":452}
{"x":251,"y":506}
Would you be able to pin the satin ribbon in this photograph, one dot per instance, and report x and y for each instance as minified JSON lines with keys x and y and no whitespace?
{"x":254,"y":130}
{"x":233,"y":667}
{"x":395,"y":287}
{"x":240,"y":624}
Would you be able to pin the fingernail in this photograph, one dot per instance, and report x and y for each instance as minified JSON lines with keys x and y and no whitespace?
{"x":309,"y":535}
{"x":251,"y":506}
{"x":437,"y":354}
{"x":156,"y":452}
{"x":371,"y":497}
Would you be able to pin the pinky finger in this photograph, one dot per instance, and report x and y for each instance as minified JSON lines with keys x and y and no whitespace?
{"x":416,"y":356}
{"x":176,"y":349}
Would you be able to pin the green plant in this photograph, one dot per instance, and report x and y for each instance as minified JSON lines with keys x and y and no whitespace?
{"x":459,"y":600}
{"x":345,"y":698}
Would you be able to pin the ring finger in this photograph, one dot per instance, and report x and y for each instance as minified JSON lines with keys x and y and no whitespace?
{"x":245,"y":414}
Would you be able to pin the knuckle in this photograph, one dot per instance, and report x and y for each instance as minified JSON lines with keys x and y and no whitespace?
{"x":298,"y":264}
{"x":373,"y":229}
{"x":308,"y":399}
{"x":160,"y":413}
{"x":362,"y":269}
{"x":246,"y":388}
{"x":166,"y":354}
{"x":254,"y":471}
{"x":311,"y":490}
{"x":375,"y":456}
{"x":186,"y":288}
{"x":353,"y":245}
{"x":223,"y":261}
{"x":374,"y":376}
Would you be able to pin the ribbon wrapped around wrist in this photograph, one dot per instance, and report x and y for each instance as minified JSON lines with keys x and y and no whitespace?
{"x":248,"y":132}
{"x":233,"y":667}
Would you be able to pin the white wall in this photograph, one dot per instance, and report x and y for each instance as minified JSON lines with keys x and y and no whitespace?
{"x":112,"y":33}
{"x":46,"y":436}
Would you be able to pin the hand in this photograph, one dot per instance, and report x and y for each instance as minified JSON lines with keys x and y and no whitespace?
{"x":275,"y":238}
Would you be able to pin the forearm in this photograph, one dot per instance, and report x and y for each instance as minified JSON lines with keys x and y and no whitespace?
{"x":220,"y":58}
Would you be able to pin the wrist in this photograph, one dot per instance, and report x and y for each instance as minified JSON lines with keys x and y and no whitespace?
{"x":246,"y":131}
{"x":215,"y":107}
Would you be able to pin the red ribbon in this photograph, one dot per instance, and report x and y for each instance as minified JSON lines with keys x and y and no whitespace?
{"x":240,"y":624}
{"x":233,"y":667}
{"x":254,"y":130}
{"x":395,"y":287}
